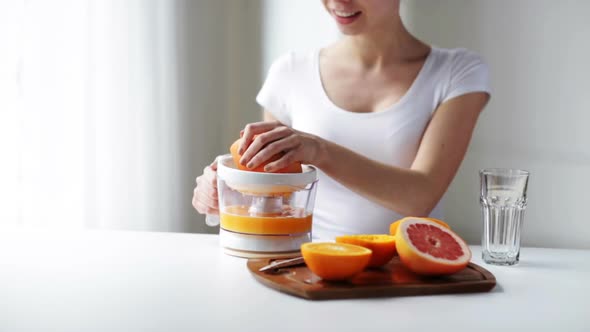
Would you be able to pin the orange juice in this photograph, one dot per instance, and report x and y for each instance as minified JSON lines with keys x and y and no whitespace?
{"x":292,"y":221}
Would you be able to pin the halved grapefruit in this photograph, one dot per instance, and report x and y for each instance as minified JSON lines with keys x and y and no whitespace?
{"x":425,"y":247}
{"x":335,"y":261}
{"x":393,"y":227}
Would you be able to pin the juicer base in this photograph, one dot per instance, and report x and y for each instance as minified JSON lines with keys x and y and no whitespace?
{"x":253,"y":254}
{"x":263,"y":246}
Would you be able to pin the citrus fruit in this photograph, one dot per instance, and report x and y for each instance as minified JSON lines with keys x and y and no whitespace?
{"x":382,"y":246}
{"x":233,"y":149}
{"x":335,"y":261}
{"x":393,"y":227}
{"x":425,"y":247}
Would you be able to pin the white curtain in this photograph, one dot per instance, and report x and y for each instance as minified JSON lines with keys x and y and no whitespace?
{"x":89,"y":114}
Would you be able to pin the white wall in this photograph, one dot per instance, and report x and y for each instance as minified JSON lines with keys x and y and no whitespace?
{"x":219,"y":50}
{"x":201,"y":102}
{"x":539,"y":113}
{"x":294,"y":25}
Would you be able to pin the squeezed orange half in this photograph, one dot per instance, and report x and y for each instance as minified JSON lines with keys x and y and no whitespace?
{"x":237,"y":219}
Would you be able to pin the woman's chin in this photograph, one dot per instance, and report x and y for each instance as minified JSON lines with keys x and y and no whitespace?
{"x":355,"y":29}
{"x":349,"y":31}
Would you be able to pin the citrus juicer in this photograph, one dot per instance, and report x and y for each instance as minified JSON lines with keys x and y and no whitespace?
{"x":264,"y":214}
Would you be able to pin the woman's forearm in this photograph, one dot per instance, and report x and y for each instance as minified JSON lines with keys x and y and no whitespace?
{"x":416,"y":190}
{"x":405,"y":191}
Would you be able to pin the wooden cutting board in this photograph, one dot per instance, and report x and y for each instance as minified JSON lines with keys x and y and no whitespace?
{"x":391,"y":280}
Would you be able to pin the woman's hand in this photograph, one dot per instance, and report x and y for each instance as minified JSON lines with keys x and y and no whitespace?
{"x":205,"y":193}
{"x":262,"y":140}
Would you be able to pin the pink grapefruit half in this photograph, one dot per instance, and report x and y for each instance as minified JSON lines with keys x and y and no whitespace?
{"x":427,"y":248}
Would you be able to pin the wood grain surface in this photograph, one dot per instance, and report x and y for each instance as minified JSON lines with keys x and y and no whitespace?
{"x":391,"y":280}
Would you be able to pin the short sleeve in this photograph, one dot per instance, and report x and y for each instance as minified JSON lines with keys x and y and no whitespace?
{"x":469,"y":73}
{"x":274,"y":92}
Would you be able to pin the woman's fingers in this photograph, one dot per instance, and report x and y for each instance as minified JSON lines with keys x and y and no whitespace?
{"x":210,"y":177}
{"x":205,"y":201}
{"x":205,"y":196}
{"x":286,"y":160}
{"x":207,"y":185}
{"x":261,"y":141}
{"x":205,"y":209}
{"x":265,"y":140}
{"x":283,"y":145}
{"x":253,"y":129}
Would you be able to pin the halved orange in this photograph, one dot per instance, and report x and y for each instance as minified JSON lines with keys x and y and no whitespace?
{"x":335,"y":261}
{"x":233,"y":149}
{"x":382,"y":246}
{"x":425,"y":247}
{"x":393,"y":227}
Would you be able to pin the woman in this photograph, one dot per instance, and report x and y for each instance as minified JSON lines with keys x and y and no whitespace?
{"x":386,"y":118}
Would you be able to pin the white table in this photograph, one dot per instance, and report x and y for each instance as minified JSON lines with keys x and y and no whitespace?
{"x":139,"y":281}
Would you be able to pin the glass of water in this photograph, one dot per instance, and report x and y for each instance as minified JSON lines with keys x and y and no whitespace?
{"x":503,"y":199}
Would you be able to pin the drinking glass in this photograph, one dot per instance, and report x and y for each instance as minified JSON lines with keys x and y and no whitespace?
{"x":503,"y":202}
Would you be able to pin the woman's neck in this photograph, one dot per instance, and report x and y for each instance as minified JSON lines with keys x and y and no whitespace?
{"x":384,"y":46}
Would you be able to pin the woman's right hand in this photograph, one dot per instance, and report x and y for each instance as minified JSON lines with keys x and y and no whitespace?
{"x":205,"y":193}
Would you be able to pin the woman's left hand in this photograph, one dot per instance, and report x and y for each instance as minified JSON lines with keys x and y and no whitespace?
{"x":262,"y":140}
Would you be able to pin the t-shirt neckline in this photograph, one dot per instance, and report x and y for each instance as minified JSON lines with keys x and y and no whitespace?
{"x":411,"y":90}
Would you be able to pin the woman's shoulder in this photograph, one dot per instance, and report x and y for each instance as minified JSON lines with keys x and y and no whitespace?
{"x":456,"y":59}
{"x":294,"y":61}
{"x":460,"y":71}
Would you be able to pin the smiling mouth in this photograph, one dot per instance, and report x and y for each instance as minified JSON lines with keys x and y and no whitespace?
{"x":346,"y":14}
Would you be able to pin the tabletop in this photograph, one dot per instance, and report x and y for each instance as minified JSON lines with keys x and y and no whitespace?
{"x":86,"y":280}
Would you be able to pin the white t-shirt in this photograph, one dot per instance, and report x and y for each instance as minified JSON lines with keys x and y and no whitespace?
{"x":293,"y":94}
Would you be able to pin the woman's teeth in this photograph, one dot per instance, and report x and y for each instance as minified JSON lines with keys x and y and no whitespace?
{"x":345,"y":14}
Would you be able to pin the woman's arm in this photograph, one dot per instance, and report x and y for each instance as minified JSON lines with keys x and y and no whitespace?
{"x":414,"y":191}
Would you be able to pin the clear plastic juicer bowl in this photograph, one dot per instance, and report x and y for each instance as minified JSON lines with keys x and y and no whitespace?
{"x":264,"y":214}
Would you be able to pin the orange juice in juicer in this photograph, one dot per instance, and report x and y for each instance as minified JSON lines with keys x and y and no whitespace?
{"x":264,"y":214}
